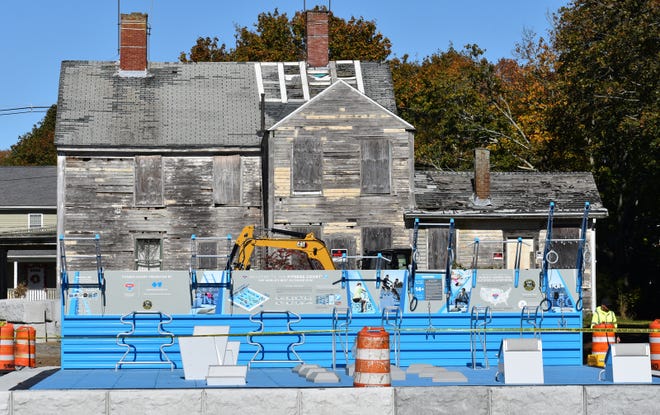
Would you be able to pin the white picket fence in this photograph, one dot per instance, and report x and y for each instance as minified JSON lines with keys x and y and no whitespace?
{"x":42,"y":294}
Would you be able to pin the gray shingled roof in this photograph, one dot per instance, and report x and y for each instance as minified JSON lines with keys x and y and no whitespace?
{"x":451,"y":194}
{"x":28,"y":186}
{"x":177,"y":105}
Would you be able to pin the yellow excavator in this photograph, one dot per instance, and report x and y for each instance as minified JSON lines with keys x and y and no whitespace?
{"x":317,"y":254}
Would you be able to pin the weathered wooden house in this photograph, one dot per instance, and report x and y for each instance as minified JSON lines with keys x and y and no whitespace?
{"x":498,"y":208}
{"x":27,"y":231}
{"x":152,"y":153}
{"x":342,"y":165}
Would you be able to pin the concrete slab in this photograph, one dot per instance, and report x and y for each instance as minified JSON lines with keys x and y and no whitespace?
{"x":324,"y":376}
{"x":429,"y":372}
{"x":305,"y":370}
{"x":397,"y":373}
{"x":415,"y":368}
{"x":449,"y":377}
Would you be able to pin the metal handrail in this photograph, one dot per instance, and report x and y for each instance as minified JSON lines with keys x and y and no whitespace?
{"x":291,"y":318}
{"x":533,"y":320}
{"x":165,"y":360}
{"x":394,"y":322}
{"x":480,"y":318}
{"x":336,"y":327}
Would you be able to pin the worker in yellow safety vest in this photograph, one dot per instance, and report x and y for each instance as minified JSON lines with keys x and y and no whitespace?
{"x":603,"y":314}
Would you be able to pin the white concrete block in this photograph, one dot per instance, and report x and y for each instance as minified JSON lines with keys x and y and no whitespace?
{"x":333,"y":401}
{"x":622,"y":399}
{"x":5,"y":399}
{"x":34,"y":312}
{"x":443,"y":399}
{"x":56,"y":402}
{"x":251,"y":401}
{"x":538,"y":400}
{"x":153,"y":401}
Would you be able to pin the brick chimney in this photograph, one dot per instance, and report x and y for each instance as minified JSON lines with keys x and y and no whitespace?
{"x":481,"y":175}
{"x":317,"y":38}
{"x":133,"y":42}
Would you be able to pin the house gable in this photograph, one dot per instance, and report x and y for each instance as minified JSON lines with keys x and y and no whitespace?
{"x":340,"y":101}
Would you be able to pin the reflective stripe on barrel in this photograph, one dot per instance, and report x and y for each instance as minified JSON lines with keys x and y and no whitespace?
{"x":7,"y":347}
{"x":600,"y":341}
{"x":654,"y":340}
{"x":372,"y":358}
{"x":25,"y":346}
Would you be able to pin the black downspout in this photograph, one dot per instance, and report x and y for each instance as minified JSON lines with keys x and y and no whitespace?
{"x":3,"y":273}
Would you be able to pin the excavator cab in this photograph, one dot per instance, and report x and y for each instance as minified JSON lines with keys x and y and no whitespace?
{"x":396,"y":258}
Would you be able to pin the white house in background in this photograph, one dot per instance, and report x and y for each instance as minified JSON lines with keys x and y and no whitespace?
{"x":28,"y":236}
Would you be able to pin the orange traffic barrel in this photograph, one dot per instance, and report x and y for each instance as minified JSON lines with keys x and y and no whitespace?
{"x":654,"y":340}
{"x":25,"y":347}
{"x":372,"y":359}
{"x":7,"y":347}
{"x":600,"y":342}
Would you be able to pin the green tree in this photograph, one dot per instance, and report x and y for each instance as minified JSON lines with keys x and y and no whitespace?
{"x":276,"y":38}
{"x":36,"y":148}
{"x":608,"y":68}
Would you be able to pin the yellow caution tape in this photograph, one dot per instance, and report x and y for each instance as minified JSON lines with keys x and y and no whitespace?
{"x":427,"y":330}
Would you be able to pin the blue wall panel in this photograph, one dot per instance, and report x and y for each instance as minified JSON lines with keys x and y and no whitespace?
{"x":90,"y":342}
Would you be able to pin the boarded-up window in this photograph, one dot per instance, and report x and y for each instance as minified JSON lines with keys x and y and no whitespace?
{"x":148,"y":181}
{"x":227,"y":180}
{"x":307,"y":165}
{"x":375,"y":239}
{"x":147,"y":254}
{"x":375,"y":169}
{"x":437,"y":250}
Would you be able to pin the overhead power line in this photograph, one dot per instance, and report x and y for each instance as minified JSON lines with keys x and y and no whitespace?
{"x":23,"y":110}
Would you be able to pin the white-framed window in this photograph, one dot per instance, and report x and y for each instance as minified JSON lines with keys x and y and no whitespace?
{"x":35,"y":220}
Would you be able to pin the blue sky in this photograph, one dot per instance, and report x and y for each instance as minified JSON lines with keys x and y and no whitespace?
{"x":37,"y":35}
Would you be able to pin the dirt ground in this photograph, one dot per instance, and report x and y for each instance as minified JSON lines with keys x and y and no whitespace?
{"x":48,"y":354}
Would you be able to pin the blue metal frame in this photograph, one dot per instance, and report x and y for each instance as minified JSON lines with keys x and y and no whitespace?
{"x":579,"y":265}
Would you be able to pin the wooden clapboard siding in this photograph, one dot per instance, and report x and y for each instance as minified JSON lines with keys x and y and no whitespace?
{"x":343,"y":124}
{"x":100,"y":198}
